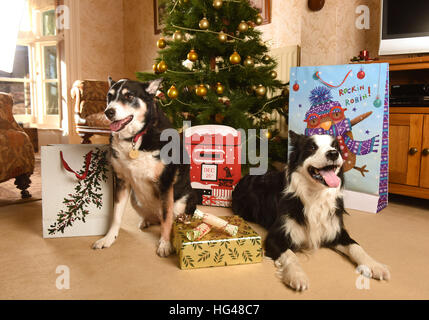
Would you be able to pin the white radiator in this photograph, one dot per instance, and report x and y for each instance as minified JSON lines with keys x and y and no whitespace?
{"x":286,"y":58}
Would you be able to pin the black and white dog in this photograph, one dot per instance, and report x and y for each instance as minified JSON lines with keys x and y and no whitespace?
{"x":302,"y":208}
{"x":159,"y":192}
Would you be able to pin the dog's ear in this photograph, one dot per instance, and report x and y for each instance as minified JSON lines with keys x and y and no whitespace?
{"x":295,"y":138}
{"x":111,"y":82}
{"x":153,"y":86}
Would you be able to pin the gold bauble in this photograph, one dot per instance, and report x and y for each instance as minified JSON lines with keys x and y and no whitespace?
{"x":259,"y":20}
{"x":201,"y":90}
{"x":184,"y":1}
{"x":249,"y":62}
{"x":268,"y":134}
{"x":173,"y":93}
{"x":204,"y":23}
{"x":222,"y":37}
{"x":178,"y":36}
{"x":266,"y":59}
{"x":155,"y":68}
{"x":219,"y":88}
{"x":162,"y":67}
{"x":161,"y":43}
{"x":273,"y":74}
{"x":192,"y":55}
{"x":261,"y":90}
{"x":285,"y":92}
{"x":217,"y":4}
{"x":243,"y":26}
{"x":235,"y":58}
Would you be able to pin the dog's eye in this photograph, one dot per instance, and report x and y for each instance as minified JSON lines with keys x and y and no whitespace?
{"x":313,"y":146}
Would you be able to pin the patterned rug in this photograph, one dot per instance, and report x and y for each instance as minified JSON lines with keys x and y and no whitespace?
{"x":10,"y":194}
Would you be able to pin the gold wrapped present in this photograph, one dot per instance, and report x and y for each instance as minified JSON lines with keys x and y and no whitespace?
{"x":217,"y":248}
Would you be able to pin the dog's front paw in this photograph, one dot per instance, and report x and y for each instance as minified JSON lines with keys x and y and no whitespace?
{"x":296,"y":279}
{"x":105,"y":242}
{"x":164,"y":248}
{"x":374,"y":270}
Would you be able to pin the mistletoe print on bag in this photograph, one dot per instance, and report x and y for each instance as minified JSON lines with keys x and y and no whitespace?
{"x":87,"y":191}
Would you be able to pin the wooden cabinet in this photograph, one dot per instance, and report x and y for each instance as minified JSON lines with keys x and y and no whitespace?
{"x":409,"y":153}
{"x":409,"y":133}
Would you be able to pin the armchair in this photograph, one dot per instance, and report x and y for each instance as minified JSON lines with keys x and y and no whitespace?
{"x":89,"y":104}
{"x":16,"y":150}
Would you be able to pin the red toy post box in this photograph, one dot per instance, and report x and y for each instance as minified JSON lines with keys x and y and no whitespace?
{"x":215,"y":154}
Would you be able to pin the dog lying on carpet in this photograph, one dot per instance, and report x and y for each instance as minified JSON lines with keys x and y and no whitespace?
{"x":159,"y":192}
{"x":303,"y":208}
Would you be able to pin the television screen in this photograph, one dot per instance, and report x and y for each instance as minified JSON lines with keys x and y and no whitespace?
{"x":404,"y":19}
{"x":404,"y":27}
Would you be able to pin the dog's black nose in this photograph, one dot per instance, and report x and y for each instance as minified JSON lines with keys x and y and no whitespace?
{"x":332,"y":155}
{"x":110,"y":113}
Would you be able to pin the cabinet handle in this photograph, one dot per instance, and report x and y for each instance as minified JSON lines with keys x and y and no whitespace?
{"x":425,"y":152}
{"x":413,"y":151}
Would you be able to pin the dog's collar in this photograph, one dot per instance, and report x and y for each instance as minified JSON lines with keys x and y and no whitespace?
{"x":138,"y":136}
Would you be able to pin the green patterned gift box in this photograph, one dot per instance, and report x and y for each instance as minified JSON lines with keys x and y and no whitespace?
{"x":217,"y":248}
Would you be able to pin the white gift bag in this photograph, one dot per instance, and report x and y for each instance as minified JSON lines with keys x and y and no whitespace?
{"x":77,"y":190}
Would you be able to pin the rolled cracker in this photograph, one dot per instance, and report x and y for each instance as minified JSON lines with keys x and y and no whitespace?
{"x":216,"y":222}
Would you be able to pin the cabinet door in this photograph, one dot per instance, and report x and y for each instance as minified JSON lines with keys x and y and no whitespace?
{"x":424,"y":173}
{"x":405,"y":134}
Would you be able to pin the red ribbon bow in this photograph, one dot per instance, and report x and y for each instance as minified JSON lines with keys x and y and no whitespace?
{"x":87,"y":162}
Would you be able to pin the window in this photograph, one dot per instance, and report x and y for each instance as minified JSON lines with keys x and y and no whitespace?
{"x":34,"y":82}
{"x":18,"y":83}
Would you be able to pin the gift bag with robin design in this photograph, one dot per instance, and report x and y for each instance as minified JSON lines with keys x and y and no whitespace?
{"x":351,"y":103}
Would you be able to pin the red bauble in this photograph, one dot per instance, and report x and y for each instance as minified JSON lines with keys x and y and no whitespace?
{"x":295,"y":86}
{"x":361,"y":74}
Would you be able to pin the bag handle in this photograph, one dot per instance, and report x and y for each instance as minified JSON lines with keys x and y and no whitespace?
{"x":330,"y":85}
{"x":87,"y":162}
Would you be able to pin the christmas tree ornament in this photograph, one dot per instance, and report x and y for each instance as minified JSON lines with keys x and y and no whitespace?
{"x":295,"y":86}
{"x":243,"y":26}
{"x":162,"y":67}
{"x":266,"y":59}
{"x":204,"y":24}
{"x":219,"y":88}
{"x":235,"y":58}
{"x":173,"y":93}
{"x":249,"y":62}
{"x":192,"y":55}
{"x":161,"y":43}
{"x":222,"y":37}
{"x":361,"y":74}
{"x":219,"y":118}
{"x":268,"y":134}
{"x":201,"y":90}
{"x":285,"y":92}
{"x":251,"y":24}
{"x":217,"y":4}
{"x":155,"y":68}
{"x":259,"y":20}
{"x":184,"y":1}
{"x":273,"y":74}
{"x":177,"y":36}
{"x":261,"y":91}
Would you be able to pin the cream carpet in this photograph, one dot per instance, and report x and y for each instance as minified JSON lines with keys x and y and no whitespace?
{"x":130,"y":269}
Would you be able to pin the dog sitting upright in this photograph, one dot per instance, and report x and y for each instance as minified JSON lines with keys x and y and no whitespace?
{"x":303,"y":208}
{"x":159,"y":192}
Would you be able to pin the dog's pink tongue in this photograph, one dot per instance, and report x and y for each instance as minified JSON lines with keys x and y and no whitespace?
{"x":115,"y":126}
{"x":330,"y":178}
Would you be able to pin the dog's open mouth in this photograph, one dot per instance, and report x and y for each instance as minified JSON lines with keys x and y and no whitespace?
{"x":325,"y":175}
{"x":116,"y":126}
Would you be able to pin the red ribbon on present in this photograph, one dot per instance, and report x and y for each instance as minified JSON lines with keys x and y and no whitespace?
{"x":87,"y":162}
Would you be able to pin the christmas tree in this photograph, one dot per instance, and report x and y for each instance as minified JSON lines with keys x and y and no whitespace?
{"x":216,"y":69}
